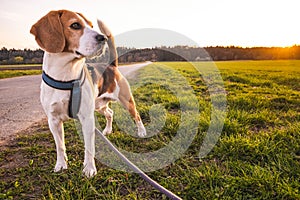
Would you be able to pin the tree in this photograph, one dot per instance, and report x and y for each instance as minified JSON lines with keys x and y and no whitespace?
{"x":18,"y":59}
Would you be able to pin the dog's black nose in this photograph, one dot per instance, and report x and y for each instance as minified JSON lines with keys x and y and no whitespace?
{"x":100,"y":38}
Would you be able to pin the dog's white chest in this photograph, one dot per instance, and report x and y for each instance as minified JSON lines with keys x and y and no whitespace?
{"x":55,"y":102}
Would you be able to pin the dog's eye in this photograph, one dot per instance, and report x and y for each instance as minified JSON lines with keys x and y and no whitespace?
{"x":75,"y":26}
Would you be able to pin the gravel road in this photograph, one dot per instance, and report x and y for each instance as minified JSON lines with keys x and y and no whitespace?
{"x":20,"y":102}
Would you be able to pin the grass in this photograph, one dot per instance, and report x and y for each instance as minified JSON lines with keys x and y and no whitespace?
{"x":21,"y":66}
{"x":16,"y":73}
{"x":10,"y":71}
{"x":256,"y":157}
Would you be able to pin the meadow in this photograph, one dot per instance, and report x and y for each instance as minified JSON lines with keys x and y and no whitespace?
{"x":9,"y":71}
{"x":256,"y":156}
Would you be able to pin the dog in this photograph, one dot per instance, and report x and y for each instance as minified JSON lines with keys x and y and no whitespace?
{"x":68,"y":38}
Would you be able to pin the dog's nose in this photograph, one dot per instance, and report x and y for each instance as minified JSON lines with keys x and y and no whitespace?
{"x":100,"y":38}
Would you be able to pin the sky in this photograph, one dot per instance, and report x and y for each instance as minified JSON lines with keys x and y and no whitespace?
{"x":141,"y":23}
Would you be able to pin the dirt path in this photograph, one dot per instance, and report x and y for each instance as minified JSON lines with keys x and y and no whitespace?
{"x":20,"y":106}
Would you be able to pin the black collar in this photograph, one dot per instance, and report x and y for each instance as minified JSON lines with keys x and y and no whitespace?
{"x":62,"y":85}
{"x":74,"y":86}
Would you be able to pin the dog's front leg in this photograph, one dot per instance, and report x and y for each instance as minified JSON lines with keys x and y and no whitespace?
{"x":56,"y":127}
{"x":88,"y":129}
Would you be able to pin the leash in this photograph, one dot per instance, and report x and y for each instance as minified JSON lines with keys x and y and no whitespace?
{"x":137,"y":170}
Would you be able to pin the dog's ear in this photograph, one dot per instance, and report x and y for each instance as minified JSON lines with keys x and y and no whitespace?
{"x":104,"y":29}
{"x":48,"y":32}
{"x":111,"y":43}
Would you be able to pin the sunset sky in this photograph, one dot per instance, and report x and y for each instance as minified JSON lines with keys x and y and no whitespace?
{"x":245,"y":23}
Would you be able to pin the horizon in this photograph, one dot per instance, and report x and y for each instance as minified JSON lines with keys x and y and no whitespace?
{"x":217,"y":46}
{"x":245,"y":24}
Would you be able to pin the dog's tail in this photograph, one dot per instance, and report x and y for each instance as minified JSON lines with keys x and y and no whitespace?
{"x":113,"y":55}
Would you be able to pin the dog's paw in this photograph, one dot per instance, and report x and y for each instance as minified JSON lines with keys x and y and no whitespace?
{"x":89,"y":170}
{"x":107,"y":131}
{"x":60,"y":166}
{"x":141,"y":130}
{"x":142,"y":133}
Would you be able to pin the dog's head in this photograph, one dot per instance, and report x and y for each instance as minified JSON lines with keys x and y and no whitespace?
{"x":67,"y":31}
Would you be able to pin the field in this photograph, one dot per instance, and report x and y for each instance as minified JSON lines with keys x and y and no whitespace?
{"x":9,"y":71}
{"x":256,"y":156}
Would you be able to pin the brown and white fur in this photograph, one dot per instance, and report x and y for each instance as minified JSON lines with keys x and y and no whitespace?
{"x":67,"y":38}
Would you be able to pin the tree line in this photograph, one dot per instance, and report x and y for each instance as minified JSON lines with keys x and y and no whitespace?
{"x":176,"y":53}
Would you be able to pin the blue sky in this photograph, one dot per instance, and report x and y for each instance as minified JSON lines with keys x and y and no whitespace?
{"x":207,"y":23}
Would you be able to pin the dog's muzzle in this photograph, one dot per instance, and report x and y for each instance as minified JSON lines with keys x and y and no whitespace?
{"x":101,"y":38}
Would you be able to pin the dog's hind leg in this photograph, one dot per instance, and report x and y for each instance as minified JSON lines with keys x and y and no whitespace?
{"x":108,"y":113}
{"x":134,"y":113}
{"x":127,"y":100}
{"x":102,"y":107}
{"x":124,"y":93}
{"x":56,"y":127}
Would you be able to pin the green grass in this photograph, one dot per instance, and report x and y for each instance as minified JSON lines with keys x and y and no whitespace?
{"x":20,"y":66}
{"x":256,"y":157}
{"x":16,"y":73}
{"x":10,"y":71}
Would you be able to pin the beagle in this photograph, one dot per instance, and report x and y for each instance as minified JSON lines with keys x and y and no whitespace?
{"x":67,"y":38}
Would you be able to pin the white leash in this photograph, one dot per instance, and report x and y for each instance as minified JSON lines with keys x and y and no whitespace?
{"x":137,"y":170}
